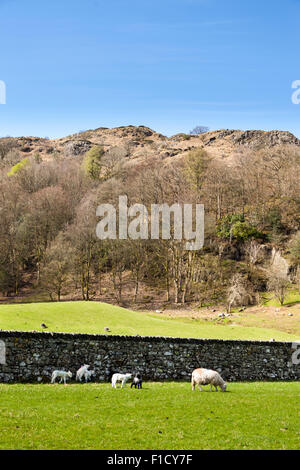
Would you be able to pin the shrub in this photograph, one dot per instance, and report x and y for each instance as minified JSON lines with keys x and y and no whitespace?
{"x":18,"y":167}
{"x":235,"y":227}
{"x":92,"y":161}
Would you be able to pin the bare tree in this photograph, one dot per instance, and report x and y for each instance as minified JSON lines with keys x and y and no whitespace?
{"x":118,"y":258}
{"x":254,"y":252}
{"x":278,"y":285}
{"x":57,"y":265}
{"x":239,"y":292}
{"x":137,"y":257}
{"x":199,"y":130}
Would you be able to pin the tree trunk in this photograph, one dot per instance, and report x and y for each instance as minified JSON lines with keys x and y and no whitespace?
{"x":100,"y":282}
{"x":136,"y":287}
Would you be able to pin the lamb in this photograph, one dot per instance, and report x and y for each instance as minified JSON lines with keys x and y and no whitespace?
{"x":62,"y":375}
{"x":82,"y":372}
{"x":123,"y":378}
{"x":137,"y":381}
{"x":208,"y":377}
{"x":88,"y":375}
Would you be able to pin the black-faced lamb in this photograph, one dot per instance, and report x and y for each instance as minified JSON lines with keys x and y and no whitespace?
{"x":137,"y":381}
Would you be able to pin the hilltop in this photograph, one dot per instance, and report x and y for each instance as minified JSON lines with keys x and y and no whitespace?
{"x":139,"y":143}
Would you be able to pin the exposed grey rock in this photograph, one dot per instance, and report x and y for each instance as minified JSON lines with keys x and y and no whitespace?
{"x":259,"y":139}
{"x":77,"y":147}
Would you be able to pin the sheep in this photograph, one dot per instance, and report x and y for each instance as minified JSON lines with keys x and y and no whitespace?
{"x":88,"y":375}
{"x":208,"y":377}
{"x":82,"y":372}
{"x":137,"y":381}
{"x":62,"y":375}
{"x":123,"y":378}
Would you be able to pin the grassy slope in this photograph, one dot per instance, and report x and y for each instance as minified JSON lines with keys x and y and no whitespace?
{"x":92,"y":317}
{"x":93,"y":416}
{"x":292,"y":298}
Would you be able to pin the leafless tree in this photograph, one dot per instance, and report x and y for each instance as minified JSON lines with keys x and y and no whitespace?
{"x":239,"y":292}
{"x":199,"y":130}
{"x":278,"y":285}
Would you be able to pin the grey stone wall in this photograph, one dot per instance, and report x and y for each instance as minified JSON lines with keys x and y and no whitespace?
{"x":31,"y":357}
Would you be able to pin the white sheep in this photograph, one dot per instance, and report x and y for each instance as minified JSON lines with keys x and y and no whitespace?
{"x":208,"y":377}
{"x":82,"y":372}
{"x":123,"y":378}
{"x":88,"y":375}
{"x":62,"y":375}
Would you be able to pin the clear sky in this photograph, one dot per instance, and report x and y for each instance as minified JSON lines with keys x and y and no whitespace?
{"x":72,"y":65}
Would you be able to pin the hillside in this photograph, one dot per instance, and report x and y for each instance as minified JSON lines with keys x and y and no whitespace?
{"x":248,"y":182}
{"x":93,"y":317}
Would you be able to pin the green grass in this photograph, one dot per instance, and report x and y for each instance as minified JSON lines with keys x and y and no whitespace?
{"x":161,"y":416}
{"x":92,"y":317}
{"x":292,"y":298}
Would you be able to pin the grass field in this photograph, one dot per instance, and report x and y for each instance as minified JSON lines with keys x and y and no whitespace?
{"x":161,"y":416}
{"x":292,"y":298}
{"x":92,"y":317}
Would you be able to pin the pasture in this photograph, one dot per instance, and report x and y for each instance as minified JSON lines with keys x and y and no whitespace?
{"x":160,"y":416}
{"x":93,"y":317}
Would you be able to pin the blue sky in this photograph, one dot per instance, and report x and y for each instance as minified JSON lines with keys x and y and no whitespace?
{"x":72,"y":65}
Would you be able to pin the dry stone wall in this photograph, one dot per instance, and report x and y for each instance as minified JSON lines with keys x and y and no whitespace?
{"x":32,"y":356}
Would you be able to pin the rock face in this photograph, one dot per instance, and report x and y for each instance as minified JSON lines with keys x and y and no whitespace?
{"x":77,"y":147}
{"x":258,"y":139}
{"x":32,"y":357}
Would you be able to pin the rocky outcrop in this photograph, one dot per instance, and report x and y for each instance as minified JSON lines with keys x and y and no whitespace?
{"x":259,"y":139}
{"x":77,"y":147}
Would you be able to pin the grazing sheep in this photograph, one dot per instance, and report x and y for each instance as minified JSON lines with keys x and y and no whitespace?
{"x":123,"y":378}
{"x":208,"y":377}
{"x":82,"y":372}
{"x":62,"y":375}
{"x":137,"y":381}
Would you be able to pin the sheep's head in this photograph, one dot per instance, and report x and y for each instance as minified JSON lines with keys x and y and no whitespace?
{"x":224,"y":387}
{"x":70,"y":374}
